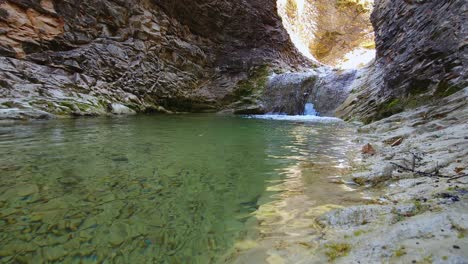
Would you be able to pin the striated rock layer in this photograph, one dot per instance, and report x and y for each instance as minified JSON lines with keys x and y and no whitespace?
{"x":421,"y":58}
{"x":99,"y":56}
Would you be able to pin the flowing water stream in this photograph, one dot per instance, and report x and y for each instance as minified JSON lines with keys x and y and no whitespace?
{"x":163,"y":189}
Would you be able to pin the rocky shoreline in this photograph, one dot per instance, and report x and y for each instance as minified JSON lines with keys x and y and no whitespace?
{"x":384,"y":213}
{"x":418,"y":217}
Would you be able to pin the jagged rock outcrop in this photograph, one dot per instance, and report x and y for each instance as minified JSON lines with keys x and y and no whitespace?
{"x":421,"y":57}
{"x":84,"y":57}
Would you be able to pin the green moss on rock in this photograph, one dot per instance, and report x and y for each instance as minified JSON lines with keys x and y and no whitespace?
{"x":337,"y":250}
{"x":10,"y":104}
{"x":400,"y":252}
{"x":390,"y":108}
{"x":444,"y":89}
{"x":254,"y":84}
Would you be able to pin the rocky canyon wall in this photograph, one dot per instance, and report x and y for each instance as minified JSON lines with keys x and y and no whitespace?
{"x":421,"y":58}
{"x":91,"y":57}
{"x":61,"y":57}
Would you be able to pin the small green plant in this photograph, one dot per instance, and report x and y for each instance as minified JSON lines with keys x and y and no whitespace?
{"x":427,"y":259}
{"x":419,"y":208}
{"x":400,"y":252}
{"x":337,"y":250}
{"x":461,"y":231}
{"x":398,"y":217}
{"x":393,"y":103}
{"x":358,"y":232}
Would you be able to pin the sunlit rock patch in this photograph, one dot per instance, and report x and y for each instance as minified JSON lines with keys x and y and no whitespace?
{"x":336,"y":33}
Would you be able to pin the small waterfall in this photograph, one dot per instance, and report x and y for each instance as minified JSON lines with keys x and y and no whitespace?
{"x":309,"y":110}
{"x":327,"y":89}
{"x":309,"y":114}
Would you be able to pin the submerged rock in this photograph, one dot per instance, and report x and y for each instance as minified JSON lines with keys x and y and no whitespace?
{"x":26,"y":189}
{"x":54,"y":253}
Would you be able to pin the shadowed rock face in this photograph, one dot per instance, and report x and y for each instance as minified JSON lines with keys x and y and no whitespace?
{"x":421,"y":57}
{"x":83,"y":57}
{"x":325,"y":88}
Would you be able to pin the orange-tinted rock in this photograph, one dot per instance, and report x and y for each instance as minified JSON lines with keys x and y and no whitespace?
{"x":27,"y":25}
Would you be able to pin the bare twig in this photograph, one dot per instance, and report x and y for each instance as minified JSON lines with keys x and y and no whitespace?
{"x":458,"y":177}
{"x":415,"y":158}
{"x":422,"y":173}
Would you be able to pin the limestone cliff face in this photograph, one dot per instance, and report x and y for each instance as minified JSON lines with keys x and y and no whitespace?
{"x":421,"y":57}
{"x":88,"y":57}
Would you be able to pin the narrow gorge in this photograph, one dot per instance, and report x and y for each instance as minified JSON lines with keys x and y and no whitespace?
{"x":233,"y":131}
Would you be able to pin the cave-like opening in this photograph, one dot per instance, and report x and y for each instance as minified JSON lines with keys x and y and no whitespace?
{"x":337,"y":33}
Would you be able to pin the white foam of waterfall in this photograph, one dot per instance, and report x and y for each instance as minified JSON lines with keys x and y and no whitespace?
{"x":310,"y":115}
{"x":309,"y":110}
{"x":301,"y":118}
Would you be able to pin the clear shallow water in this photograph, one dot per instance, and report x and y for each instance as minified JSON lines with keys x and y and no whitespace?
{"x":154,"y":189}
